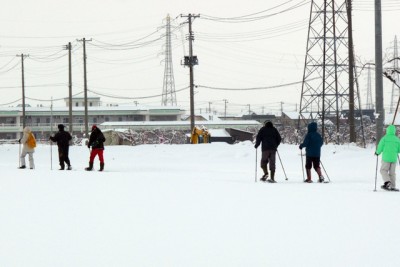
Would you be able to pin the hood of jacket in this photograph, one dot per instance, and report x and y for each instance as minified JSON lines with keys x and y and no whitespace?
{"x":312,"y":127}
{"x":391,"y":130}
{"x":27,"y":129}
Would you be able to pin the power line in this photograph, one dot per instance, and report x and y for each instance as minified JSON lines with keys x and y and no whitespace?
{"x":252,"y":88}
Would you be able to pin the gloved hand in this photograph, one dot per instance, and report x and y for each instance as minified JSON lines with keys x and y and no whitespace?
{"x":255,"y":146}
{"x":376,"y":154}
{"x":19,"y":140}
{"x":300,"y":147}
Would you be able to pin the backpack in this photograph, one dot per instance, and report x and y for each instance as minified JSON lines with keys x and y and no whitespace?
{"x":31,"y":142}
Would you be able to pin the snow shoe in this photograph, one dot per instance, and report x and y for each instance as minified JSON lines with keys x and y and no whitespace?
{"x":271,"y":181}
{"x":321,"y":179}
{"x":308,"y":181}
{"x":69,"y":168}
{"x":264,"y":178}
{"x":394,"y":189}
{"x":22,"y":167}
{"x":386,"y":186}
{"x":90,"y":167}
{"x":101,"y":167}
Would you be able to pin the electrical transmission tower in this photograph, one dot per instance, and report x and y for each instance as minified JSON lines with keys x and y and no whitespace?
{"x":169,"y":94}
{"x":396,"y":77}
{"x":326,"y":87}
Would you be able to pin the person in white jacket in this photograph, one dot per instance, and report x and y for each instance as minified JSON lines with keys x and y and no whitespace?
{"x":26,"y":149}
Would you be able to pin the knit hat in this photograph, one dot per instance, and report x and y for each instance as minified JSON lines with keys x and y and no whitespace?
{"x":94,"y":127}
{"x":60,"y":127}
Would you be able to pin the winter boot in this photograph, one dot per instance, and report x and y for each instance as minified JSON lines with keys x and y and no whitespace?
{"x":308,"y":180}
{"x":320,"y":177}
{"x":386,"y":186}
{"x":62,"y":168}
{"x":22,"y":167}
{"x":101,"y":167}
{"x":69,"y":168}
{"x":90,"y":167}
{"x":265,"y":176}
{"x":272,"y":179}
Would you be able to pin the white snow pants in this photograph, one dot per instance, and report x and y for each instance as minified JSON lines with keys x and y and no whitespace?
{"x":31,"y":162}
{"x":388,"y":172}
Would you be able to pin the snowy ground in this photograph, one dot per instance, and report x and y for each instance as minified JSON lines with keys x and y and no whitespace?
{"x":195,"y":205}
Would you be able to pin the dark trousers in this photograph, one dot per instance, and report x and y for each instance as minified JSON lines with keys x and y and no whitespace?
{"x":312,"y":162}
{"x":63,"y":156}
{"x":268,"y":156}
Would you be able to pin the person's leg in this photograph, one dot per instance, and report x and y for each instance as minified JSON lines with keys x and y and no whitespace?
{"x":31,"y":161}
{"x":392,"y":175}
{"x":272,"y":163}
{"x":23,"y":163}
{"x":385,"y":166}
{"x":264,"y":164}
{"x":61,"y":158}
{"x":316,"y":161}
{"x":93,"y":154}
{"x":101,"y":158}
{"x":66,"y":157}
{"x":308,"y":169}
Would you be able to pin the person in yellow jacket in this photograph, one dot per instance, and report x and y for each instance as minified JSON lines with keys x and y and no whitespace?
{"x":389,"y":146}
{"x":28,"y":147}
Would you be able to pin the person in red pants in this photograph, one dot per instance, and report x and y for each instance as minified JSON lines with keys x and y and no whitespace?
{"x":96,"y":141}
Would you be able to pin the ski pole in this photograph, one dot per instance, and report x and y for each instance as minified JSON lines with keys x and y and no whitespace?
{"x":19,"y":154}
{"x":51,"y":155}
{"x":302,"y":168}
{"x":281,"y":164}
{"x":255,"y":178}
{"x":325,"y":171}
{"x":376,"y":172}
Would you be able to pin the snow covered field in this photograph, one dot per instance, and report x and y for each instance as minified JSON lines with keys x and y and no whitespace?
{"x":195,"y":205}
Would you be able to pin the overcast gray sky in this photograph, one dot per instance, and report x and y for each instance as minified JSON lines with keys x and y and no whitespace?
{"x":125,"y":58}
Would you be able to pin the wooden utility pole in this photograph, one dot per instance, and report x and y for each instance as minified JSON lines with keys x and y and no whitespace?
{"x":23,"y":89}
{"x":191,"y":61}
{"x":226,"y":101}
{"x":70,"y":88}
{"x":85,"y":87}
{"x":379,"y":109}
{"x":351,"y":73}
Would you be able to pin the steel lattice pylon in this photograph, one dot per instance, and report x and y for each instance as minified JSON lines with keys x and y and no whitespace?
{"x":325,"y":88}
{"x":169,"y":94}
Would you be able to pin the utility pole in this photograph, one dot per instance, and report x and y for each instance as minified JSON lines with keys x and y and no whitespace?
{"x":191,"y":61}
{"x":209,"y":107}
{"x":352,"y":128}
{"x":85,"y":87}
{"x":249,"y":108}
{"x":282,"y":107}
{"x":226,"y":101}
{"x":379,"y":109}
{"x":23,"y":89}
{"x":70,"y":86}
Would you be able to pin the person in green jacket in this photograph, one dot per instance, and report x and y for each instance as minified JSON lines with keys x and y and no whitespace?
{"x":389,"y":146}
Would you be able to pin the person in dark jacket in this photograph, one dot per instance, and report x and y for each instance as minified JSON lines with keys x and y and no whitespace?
{"x":62,"y":138}
{"x":270,"y":139}
{"x":96,"y":141}
{"x":313,"y":143}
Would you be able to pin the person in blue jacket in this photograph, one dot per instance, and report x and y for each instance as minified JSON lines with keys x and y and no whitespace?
{"x":313,"y":143}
